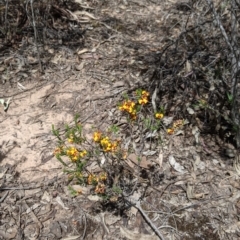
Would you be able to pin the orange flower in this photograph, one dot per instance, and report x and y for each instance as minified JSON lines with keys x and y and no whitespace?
{"x":128,"y":106}
{"x":92,"y":179}
{"x":100,"y":188}
{"x":125,"y":154}
{"x":133,"y":116}
{"x":170,"y":131}
{"x":58,"y":150}
{"x":178,"y":123}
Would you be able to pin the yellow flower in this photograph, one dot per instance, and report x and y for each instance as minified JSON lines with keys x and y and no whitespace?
{"x":97,"y":136}
{"x":108,"y":147}
{"x":73,"y":153}
{"x":103,"y":177}
{"x":132,"y":111}
{"x":125,"y":154}
{"x":145,"y":93}
{"x":143,"y":101}
{"x":170,"y":131}
{"x":70,"y":139}
{"x":130,"y":107}
{"x":106,"y":144}
{"x":127,"y":106}
{"x":83,"y":153}
{"x":114,"y":146}
{"x":144,"y":98}
{"x":159,"y":115}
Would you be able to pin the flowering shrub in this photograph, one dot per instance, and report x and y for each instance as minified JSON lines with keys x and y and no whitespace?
{"x":75,"y":152}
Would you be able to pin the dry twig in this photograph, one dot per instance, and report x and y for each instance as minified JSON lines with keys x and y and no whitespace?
{"x":137,"y":205}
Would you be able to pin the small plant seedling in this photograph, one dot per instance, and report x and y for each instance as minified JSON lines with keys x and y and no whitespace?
{"x":114,"y":129}
{"x":230,"y":98}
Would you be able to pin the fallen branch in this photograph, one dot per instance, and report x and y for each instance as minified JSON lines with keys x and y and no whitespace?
{"x":137,"y":205}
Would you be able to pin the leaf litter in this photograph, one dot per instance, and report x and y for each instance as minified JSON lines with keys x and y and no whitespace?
{"x":185,"y":185}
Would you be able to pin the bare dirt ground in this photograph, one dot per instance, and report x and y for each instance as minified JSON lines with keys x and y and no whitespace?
{"x":117,"y":52}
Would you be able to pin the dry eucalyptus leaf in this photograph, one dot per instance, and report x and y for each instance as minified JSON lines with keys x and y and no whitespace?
{"x":46,"y":197}
{"x":94,"y":198}
{"x":190,"y":193}
{"x":159,"y":160}
{"x":229,"y":152}
{"x":198,"y":164}
{"x":103,"y":160}
{"x":133,"y":211}
{"x":142,"y":162}
{"x":130,"y":164}
{"x":154,"y":96}
{"x":119,"y":84}
{"x":80,"y":66}
{"x":136,"y":236}
{"x":110,"y":219}
{"x":20,"y":86}
{"x":200,"y":195}
{"x":190,"y":111}
{"x":179,"y":132}
{"x":3,"y":173}
{"x":50,"y":50}
{"x":33,"y":207}
{"x":176,"y":166}
{"x":151,"y":134}
{"x":236,"y":164}
{"x":93,"y":167}
{"x":188,"y":67}
{"x":215,"y":161}
{"x":167,"y":120}
{"x":232,"y":228}
{"x":127,"y":143}
{"x":149,"y":153}
{"x":137,"y":140}
{"x":84,"y":13}
{"x":9,"y":234}
{"x":196,"y":133}
{"x":71,"y":237}
{"x":60,"y":202}
{"x":82,"y":51}
{"x":56,"y":59}
{"x":5,"y":104}
{"x":81,"y":189}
